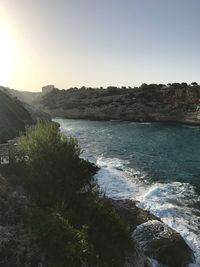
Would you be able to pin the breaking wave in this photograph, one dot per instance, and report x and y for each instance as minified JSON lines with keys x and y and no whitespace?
{"x":173,"y":202}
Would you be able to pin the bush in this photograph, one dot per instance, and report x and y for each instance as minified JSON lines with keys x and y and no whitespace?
{"x":52,"y":170}
{"x":107,"y":233}
{"x":63,"y":244}
{"x":70,"y":222}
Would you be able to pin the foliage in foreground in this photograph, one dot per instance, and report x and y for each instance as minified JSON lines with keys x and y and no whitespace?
{"x":69,"y":221}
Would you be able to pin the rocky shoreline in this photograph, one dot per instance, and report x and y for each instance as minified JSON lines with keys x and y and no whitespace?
{"x":153,"y":238}
{"x":147,"y":103}
{"x":192,"y":119}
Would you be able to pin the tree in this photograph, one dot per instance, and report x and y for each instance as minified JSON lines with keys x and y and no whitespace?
{"x":54,"y":172}
{"x":144,"y":86}
{"x":176,"y":85}
{"x":64,"y":245}
{"x":194,"y":83}
{"x":184,"y":84}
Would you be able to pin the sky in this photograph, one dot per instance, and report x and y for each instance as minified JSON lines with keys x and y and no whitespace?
{"x":74,"y":43}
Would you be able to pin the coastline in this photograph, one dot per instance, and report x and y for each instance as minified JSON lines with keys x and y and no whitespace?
{"x":166,"y":122}
{"x":111,"y":174}
{"x":156,"y":240}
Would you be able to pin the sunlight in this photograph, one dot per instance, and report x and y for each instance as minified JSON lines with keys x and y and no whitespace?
{"x":6,"y":56}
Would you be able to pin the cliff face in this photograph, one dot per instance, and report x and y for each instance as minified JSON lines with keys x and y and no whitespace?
{"x":13,"y":116}
{"x":176,"y":102}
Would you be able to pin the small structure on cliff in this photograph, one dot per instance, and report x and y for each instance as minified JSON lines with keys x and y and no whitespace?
{"x":47,"y":89}
{"x":8,"y":152}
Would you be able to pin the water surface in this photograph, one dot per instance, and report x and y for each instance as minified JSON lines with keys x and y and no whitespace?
{"x":157,"y":164}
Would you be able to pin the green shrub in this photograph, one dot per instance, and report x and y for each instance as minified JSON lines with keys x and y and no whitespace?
{"x":109,"y":236}
{"x":52,"y":170}
{"x":70,"y":222}
{"x":62,"y":243}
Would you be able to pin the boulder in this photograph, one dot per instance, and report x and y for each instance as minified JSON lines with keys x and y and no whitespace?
{"x":160,"y":242}
{"x":155,"y":239}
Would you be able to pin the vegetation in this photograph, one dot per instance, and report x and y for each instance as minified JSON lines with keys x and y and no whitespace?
{"x":70,"y":222}
{"x":148,"y":102}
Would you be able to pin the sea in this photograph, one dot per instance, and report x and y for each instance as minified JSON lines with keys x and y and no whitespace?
{"x":157,"y":164}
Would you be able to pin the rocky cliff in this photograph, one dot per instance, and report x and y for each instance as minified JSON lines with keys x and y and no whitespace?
{"x":155,"y":102}
{"x":13,"y":116}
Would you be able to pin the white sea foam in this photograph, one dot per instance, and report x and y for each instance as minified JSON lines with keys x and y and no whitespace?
{"x":146,"y":123}
{"x":172,"y":202}
{"x":114,"y":179}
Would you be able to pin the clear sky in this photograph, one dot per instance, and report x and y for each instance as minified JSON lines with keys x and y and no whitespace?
{"x":98,"y":42}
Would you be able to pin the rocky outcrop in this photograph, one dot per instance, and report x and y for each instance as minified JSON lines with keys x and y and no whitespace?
{"x":172,"y":103}
{"x":13,"y":116}
{"x":162,"y":243}
{"x":152,"y":237}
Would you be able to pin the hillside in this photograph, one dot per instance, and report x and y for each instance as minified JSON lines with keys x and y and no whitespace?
{"x":13,"y":116}
{"x":155,"y":102}
{"x":25,"y":96}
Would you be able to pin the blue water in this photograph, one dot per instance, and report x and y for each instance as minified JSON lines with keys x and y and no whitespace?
{"x":157,"y":164}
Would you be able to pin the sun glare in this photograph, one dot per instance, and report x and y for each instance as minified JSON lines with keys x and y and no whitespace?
{"x":6,"y":56}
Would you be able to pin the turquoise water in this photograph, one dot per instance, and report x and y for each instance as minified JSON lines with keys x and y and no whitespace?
{"x":157,"y":164}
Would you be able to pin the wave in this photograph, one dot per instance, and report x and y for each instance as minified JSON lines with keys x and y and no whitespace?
{"x":173,"y":202}
{"x":146,"y":123}
{"x":115,"y":179}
